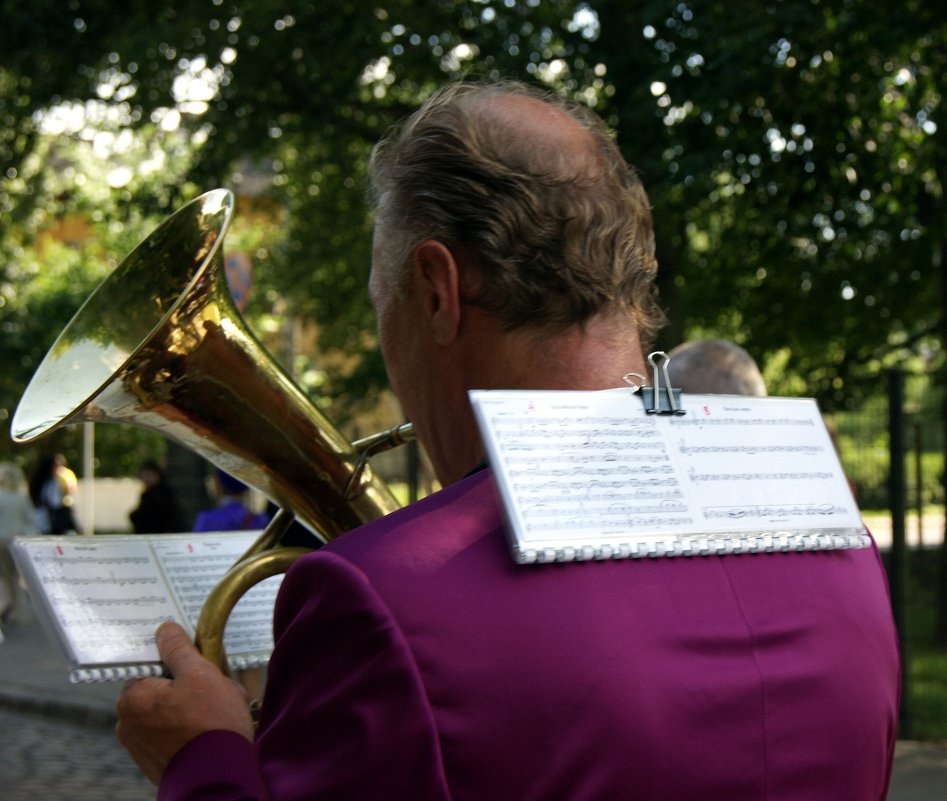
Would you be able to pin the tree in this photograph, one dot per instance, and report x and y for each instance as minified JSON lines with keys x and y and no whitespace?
{"x":792,"y":151}
{"x":799,"y":173}
{"x":800,"y":183}
{"x":246,"y":87}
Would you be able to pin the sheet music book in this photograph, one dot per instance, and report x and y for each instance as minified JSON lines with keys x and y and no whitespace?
{"x":101,"y":598}
{"x":592,"y":475}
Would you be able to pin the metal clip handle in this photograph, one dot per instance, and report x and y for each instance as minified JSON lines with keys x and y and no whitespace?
{"x":656,"y":402}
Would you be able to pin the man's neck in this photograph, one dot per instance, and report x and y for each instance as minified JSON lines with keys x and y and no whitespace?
{"x":592,"y":357}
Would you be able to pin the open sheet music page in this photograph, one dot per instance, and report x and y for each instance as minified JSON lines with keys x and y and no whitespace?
{"x":591,"y":475}
{"x":101,"y":598}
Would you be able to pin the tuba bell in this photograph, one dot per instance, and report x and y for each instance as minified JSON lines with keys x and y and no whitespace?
{"x":160,"y":345}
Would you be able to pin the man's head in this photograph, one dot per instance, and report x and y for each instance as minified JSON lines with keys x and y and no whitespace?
{"x":513,"y":248}
{"x":229,"y":486}
{"x":11,"y":477}
{"x":715,"y":366}
{"x":550,"y":225}
{"x":150,"y":473}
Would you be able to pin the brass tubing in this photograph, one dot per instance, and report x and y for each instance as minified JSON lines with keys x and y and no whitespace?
{"x":247,"y":573}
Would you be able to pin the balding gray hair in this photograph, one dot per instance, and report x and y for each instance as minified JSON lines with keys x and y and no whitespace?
{"x":715,"y":367}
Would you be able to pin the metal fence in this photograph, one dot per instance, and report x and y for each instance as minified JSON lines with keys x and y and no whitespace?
{"x":894,"y":453}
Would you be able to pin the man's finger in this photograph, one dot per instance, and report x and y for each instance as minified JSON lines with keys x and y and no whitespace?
{"x":176,"y":649}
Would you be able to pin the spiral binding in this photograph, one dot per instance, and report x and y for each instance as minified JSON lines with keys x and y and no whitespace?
{"x":114,"y":673}
{"x":248,"y":662}
{"x":717,"y":545}
{"x":151,"y":670}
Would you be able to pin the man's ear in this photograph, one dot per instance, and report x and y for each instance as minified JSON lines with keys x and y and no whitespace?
{"x":437,"y":279}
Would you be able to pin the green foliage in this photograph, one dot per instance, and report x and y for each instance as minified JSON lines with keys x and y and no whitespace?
{"x":926,"y":663}
{"x":792,"y":151}
{"x":928,"y":694}
{"x":863,"y":442}
{"x":799,"y":173}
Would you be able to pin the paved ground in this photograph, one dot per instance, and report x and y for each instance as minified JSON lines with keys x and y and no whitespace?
{"x":920,"y":772}
{"x":57,"y":742}
{"x":46,"y":758}
{"x":931,"y":533}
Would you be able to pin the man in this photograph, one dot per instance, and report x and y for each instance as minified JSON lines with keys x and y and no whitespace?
{"x":231,"y":511}
{"x":414,"y":660}
{"x":715,"y":366}
{"x":17,"y":519}
{"x":157,"y":510}
{"x":53,"y":489}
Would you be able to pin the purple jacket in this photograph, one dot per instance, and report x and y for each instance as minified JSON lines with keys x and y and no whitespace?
{"x":415,"y":661}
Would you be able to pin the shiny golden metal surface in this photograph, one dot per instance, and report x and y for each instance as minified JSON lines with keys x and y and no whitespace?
{"x":241,"y":578}
{"x":161,"y":345}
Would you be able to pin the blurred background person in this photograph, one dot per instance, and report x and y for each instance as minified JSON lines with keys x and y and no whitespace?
{"x":715,"y":367}
{"x":17,"y":518}
{"x":157,"y":510}
{"x":718,"y":367}
{"x":232,"y":511}
{"x":53,"y":488}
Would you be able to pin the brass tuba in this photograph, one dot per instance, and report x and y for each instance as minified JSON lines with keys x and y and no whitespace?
{"x":160,"y":345}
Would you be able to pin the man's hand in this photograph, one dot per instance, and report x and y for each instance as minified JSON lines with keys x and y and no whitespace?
{"x":156,"y":717}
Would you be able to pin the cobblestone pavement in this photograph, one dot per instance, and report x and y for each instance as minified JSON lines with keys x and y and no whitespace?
{"x":48,"y":759}
{"x":57,"y":741}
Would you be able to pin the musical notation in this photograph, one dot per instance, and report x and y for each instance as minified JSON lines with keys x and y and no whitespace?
{"x":774,"y":511}
{"x":92,"y":559}
{"x":626,"y":524}
{"x":593,"y":467}
{"x":742,"y":422}
{"x":105,"y":596}
{"x":622,"y":470}
{"x":769,"y":476}
{"x":193,"y":570}
{"x":84,"y":581}
{"x":582,"y":485}
{"x":750,"y":450}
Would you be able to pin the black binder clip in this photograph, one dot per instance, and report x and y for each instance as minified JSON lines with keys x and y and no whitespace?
{"x":655,"y":401}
